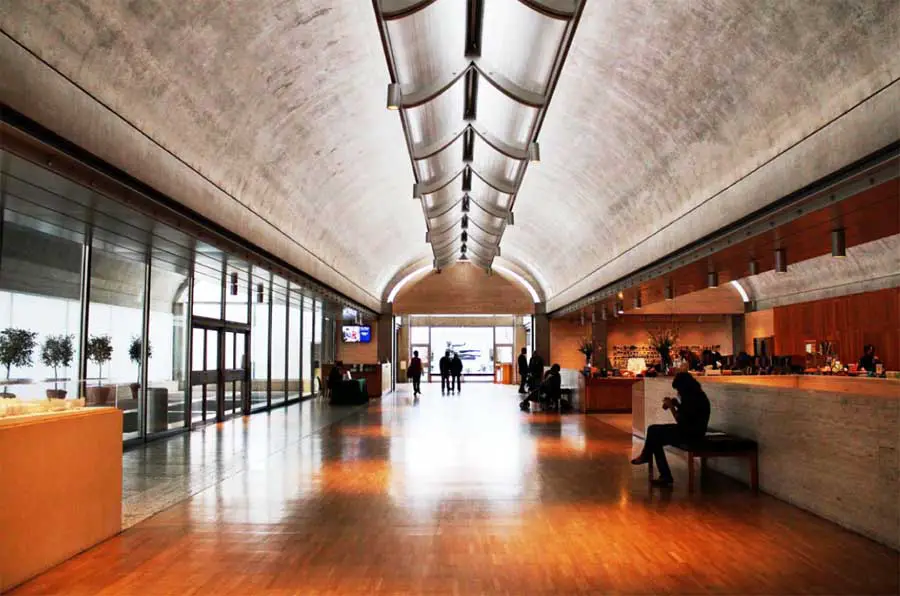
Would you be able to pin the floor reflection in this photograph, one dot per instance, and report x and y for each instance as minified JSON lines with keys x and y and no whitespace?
{"x":462,"y":495}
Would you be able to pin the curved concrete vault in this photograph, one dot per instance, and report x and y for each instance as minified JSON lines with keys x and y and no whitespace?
{"x":667,"y":121}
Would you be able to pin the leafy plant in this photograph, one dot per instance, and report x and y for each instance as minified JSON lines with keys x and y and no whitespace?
{"x":663,"y":340}
{"x":99,"y":351}
{"x":586,"y":347}
{"x":58,"y":350}
{"x":16,"y":348}
{"x":134,"y":352}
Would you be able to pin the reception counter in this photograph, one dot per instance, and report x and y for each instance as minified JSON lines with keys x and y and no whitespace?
{"x":377,"y":376}
{"x":611,"y":394}
{"x":60,"y":488}
{"x":830,"y":445}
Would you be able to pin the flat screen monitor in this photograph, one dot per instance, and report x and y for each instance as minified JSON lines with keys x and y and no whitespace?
{"x":365,"y":334}
{"x":357,"y":334}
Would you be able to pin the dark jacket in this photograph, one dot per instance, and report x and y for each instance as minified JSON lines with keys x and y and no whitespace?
{"x":693,"y":415}
{"x":444,"y":366}
{"x":523,"y":364}
{"x":456,"y":366}
{"x":536,"y":367}
{"x":334,"y":377}
{"x":552,"y":386}
{"x":415,"y":367}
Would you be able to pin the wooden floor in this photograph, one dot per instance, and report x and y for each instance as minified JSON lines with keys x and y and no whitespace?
{"x":467,"y":495}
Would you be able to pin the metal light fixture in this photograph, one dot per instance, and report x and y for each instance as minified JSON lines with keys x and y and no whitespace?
{"x":394,"y":96}
{"x":260,"y":293}
{"x":712,"y":279}
{"x":511,"y":220}
{"x":427,"y":236}
{"x":781,"y":260}
{"x":234,"y":284}
{"x":603,"y":314}
{"x":466,"y":204}
{"x":637,"y":301}
{"x":534,"y":152}
{"x":668,"y":292}
{"x":417,"y":191}
{"x":620,"y":308}
{"x":838,"y":243}
{"x":754,"y":267}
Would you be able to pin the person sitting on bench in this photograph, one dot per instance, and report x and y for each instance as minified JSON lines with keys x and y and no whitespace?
{"x":691,"y":418}
{"x":549,"y":393}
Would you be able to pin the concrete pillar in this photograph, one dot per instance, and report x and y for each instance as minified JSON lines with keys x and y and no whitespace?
{"x":386,"y":333}
{"x":541,"y":330}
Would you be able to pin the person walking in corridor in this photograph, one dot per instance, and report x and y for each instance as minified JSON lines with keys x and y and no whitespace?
{"x":456,"y":368}
{"x":415,"y":373}
{"x":522,"y":366}
{"x":691,"y":418}
{"x":536,"y":370}
{"x":444,"y":367}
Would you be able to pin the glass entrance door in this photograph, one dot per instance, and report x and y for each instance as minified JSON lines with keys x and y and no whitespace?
{"x":204,"y":374}
{"x":235,"y":374}
{"x":219,"y":374}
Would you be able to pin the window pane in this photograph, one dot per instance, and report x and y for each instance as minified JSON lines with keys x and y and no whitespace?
{"x":236,"y":292}
{"x":279,"y":339}
{"x":208,"y":282}
{"x":317,"y":346}
{"x":168,"y":345}
{"x":294,"y":346}
{"x":307,"y":345}
{"x":115,"y":328}
{"x":418,"y":335}
{"x":505,"y":335}
{"x":259,"y":354}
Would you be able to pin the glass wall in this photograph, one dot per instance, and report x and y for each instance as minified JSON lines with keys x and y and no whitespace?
{"x":101,"y":302}
{"x":279,"y":340}
{"x":259,"y":339}
{"x":293,"y":344}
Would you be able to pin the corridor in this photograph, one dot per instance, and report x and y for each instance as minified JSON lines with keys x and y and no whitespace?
{"x":465,"y":494}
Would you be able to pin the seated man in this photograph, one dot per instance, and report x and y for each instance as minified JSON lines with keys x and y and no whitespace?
{"x":691,"y":418}
{"x":549,"y":393}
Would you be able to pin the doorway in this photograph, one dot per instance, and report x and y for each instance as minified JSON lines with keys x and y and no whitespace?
{"x":425,"y":357}
{"x":219,"y":371}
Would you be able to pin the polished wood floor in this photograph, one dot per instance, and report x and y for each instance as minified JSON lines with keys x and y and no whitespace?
{"x":467,"y":495}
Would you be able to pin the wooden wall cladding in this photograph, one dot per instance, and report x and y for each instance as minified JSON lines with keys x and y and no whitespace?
{"x":359,"y":353}
{"x":565,"y":337}
{"x":851,"y":321}
{"x":463,"y":289}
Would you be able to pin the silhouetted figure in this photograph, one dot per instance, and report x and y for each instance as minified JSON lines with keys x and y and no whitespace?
{"x":522,"y":366}
{"x":335,"y":376}
{"x":444,"y":367}
{"x":549,"y":393}
{"x":535,"y":370}
{"x":456,"y":368}
{"x":868,"y":360}
{"x":691,"y":418}
{"x":415,"y":373}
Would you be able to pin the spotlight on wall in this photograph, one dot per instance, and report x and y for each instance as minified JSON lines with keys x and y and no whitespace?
{"x":712,"y":279}
{"x":781,"y":260}
{"x":838,"y":243}
{"x":668,"y":291}
{"x":394,"y":96}
{"x":637,"y":300}
{"x":234,"y":284}
{"x":260,"y":293}
{"x":754,"y":267}
{"x":534,"y":152}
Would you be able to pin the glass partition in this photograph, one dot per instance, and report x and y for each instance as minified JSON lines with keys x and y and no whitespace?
{"x":259,"y":336}
{"x":293,"y":345}
{"x":317,"y":347}
{"x":237,"y":278}
{"x":307,"y":345}
{"x":279,"y":340}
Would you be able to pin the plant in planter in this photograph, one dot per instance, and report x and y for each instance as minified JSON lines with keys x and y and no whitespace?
{"x":134,"y":353}
{"x":586,"y":347}
{"x":58,"y":350}
{"x":16,"y":348}
{"x":99,"y":351}
{"x":663,"y":340}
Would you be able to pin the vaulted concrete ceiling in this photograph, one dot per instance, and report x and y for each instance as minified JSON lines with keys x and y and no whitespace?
{"x":670,"y":120}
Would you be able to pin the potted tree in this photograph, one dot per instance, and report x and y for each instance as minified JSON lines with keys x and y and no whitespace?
{"x":99,"y":351}
{"x":134,"y":353}
{"x":16,"y":348}
{"x":57,"y":351}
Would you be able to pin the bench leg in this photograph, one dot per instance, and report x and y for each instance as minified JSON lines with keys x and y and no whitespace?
{"x":690,"y":472}
{"x":754,"y":472}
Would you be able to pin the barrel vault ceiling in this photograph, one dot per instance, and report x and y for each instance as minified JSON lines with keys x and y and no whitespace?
{"x":668,"y":120}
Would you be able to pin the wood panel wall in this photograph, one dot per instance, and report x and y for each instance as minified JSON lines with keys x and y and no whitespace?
{"x":565,"y":337}
{"x":358,"y":353}
{"x":463,"y":289}
{"x":758,"y":324}
{"x":851,"y":321}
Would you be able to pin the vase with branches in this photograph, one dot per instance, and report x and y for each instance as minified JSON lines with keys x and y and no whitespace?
{"x":586,"y":347}
{"x":663,"y":340}
{"x":57,"y":350}
{"x":16,"y":348}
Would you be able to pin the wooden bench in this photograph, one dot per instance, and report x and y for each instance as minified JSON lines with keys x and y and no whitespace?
{"x":719,"y":444}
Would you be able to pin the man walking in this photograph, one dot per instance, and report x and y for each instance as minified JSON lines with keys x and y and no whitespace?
{"x":456,"y":368}
{"x":444,"y":367}
{"x":415,"y":373}
{"x":522,"y":366}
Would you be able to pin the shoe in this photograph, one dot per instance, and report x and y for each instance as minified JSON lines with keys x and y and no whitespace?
{"x":640,"y":461}
{"x":661,"y":482}
{"x":524,"y":407}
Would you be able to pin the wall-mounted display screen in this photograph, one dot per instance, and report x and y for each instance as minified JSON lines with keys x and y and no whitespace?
{"x":357,"y":334}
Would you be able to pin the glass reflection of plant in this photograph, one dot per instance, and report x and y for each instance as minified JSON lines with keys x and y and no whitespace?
{"x":16,"y":348}
{"x":58,"y":350}
{"x":99,"y":351}
{"x":663,"y":340}
{"x":134,"y":353}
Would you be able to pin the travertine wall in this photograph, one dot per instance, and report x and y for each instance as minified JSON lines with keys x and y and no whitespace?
{"x":833,"y":453}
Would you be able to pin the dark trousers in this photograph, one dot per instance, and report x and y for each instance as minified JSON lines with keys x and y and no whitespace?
{"x":658,"y":436}
{"x":416,"y":381}
{"x":458,"y":380}
{"x":523,"y":378}
{"x":446,"y":384}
